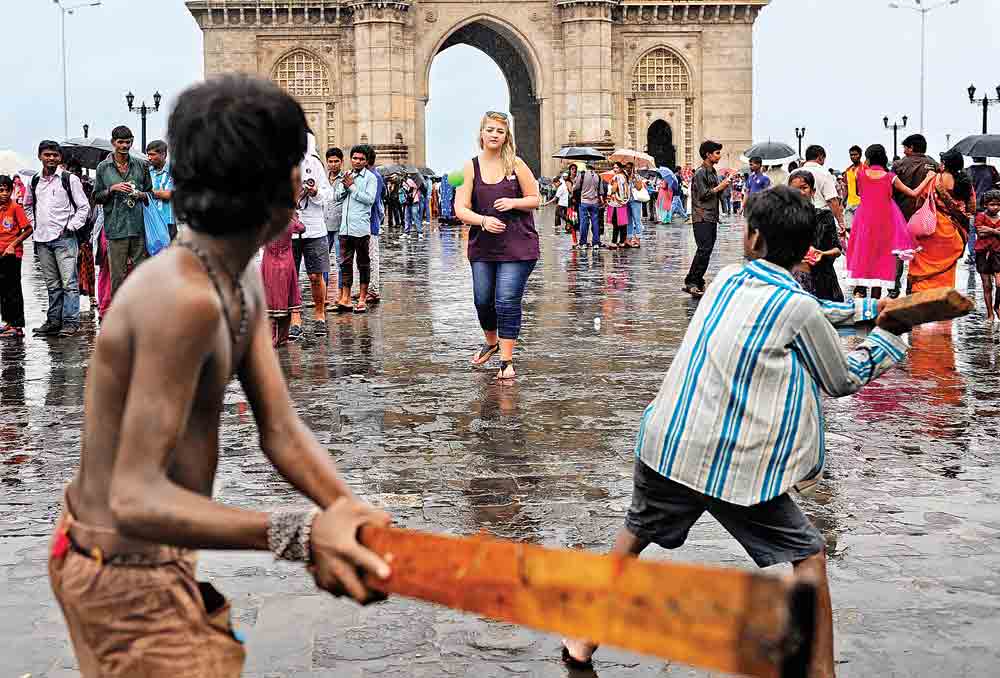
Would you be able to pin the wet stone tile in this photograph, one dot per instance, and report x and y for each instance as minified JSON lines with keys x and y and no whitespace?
{"x":910,"y":505}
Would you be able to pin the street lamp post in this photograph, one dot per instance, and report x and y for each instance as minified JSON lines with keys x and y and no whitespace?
{"x":800,"y":134}
{"x":924,"y":10}
{"x":986,"y":102}
{"x":143,"y":111}
{"x":895,"y":127}
{"x":63,"y":11}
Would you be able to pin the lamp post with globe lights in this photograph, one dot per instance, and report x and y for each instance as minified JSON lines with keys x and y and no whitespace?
{"x":986,"y":102}
{"x":143,"y":111}
{"x":800,"y":134}
{"x":895,"y":127}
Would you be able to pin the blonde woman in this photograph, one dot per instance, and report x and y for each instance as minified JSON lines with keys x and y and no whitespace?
{"x":497,"y":204}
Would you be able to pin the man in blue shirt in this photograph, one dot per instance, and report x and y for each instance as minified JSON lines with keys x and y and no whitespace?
{"x":163,"y":183}
{"x":358,"y":193}
{"x":757,"y":181}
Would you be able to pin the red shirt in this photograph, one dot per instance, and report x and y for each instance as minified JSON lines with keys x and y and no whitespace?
{"x":13,"y":220}
{"x":986,"y":242}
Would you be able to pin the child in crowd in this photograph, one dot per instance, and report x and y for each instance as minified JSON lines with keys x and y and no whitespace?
{"x":815,"y":272}
{"x":14,"y":230}
{"x":987,"y":250}
{"x":281,"y":283}
{"x":738,"y":421}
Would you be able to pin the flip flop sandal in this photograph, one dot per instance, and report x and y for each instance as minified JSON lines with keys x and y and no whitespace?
{"x":504,"y":364}
{"x":485,"y":353}
{"x":372,"y":299}
{"x":361,"y":308}
{"x":342,"y":308}
{"x":574,"y":663}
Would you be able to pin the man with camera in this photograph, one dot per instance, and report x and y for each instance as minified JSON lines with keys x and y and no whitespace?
{"x":122,"y":185}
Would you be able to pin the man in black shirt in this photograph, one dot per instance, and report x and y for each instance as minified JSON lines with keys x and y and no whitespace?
{"x":706,"y":191}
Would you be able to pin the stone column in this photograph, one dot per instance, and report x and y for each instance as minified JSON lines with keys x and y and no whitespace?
{"x":383,"y":79}
{"x":587,"y":59}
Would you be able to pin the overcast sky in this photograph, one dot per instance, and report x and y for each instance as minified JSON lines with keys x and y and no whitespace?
{"x":835,"y":66}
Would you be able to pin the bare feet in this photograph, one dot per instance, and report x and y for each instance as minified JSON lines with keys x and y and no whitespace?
{"x":578,"y":653}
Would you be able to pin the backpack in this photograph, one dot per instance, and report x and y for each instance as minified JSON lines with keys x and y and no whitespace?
{"x":84,"y":232}
{"x":65,"y":177}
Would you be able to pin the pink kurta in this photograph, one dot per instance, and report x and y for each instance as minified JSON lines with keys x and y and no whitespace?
{"x":879,"y":229}
{"x":281,"y":282}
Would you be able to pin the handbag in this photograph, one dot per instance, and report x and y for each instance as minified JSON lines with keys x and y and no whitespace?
{"x":924,"y":221}
{"x":640,"y":194}
{"x":157,"y":236}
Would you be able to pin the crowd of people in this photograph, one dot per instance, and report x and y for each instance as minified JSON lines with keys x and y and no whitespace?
{"x":90,"y":233}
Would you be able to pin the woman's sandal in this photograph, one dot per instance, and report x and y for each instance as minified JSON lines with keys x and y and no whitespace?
{"x":485,"y":353}
{"x":574,"y":663}
{"x":360,"y":307}
{"x":504,"y":364}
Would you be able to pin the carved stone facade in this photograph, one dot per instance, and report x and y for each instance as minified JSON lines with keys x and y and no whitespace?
{"x":658,"y":75}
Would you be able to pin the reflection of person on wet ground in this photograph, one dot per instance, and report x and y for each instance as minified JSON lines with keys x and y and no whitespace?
{"x":122,"y":560}
{"x":498,"y":205}
{"x":717,"y":439}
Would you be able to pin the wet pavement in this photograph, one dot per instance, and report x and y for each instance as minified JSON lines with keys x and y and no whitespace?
{"x":910,"y":505}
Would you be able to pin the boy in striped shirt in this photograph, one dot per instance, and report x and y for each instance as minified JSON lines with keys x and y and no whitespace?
{"x":738,"y":421}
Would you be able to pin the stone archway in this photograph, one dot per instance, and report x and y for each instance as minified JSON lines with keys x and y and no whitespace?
{"x":508,"y":51}
{"x":660,"y":144}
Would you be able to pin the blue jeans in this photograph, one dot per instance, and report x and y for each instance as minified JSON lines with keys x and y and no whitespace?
{"x":425,"y":208}
{"x":588,"y":215}
{"x":634,"y":218}
{"x":497,"y":288}
{"x":413,"y":217}
{"x":57,"y":259}
{"x":972,"y":237}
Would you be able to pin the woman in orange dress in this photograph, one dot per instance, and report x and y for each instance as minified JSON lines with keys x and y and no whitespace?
{"x":935,"y":264}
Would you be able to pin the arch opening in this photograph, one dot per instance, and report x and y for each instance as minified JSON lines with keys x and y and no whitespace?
{"x":660,"y":144}
{"x":507,"y":52}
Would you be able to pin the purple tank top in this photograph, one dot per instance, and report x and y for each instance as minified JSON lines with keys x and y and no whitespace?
{"x":519,"y":242}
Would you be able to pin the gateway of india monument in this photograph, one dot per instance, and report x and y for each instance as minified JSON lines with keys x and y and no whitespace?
{"x":655,"y":75}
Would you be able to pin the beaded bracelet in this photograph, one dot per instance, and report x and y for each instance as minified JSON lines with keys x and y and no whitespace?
{"x":289,"y":534}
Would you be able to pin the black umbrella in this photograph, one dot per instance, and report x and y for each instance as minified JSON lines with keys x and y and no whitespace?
{"x":427,"y":172}
{"x":772,"y":152}
{"x":90,"y":152}
{"x":979,"y":146}
{"x":579,"y":153}
{"x":386,"y":170}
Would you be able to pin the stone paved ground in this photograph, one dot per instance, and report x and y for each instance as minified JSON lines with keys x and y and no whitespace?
{"x":910,"y":506}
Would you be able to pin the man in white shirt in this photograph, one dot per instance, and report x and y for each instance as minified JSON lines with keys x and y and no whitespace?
{"x":826,"y":199}
{"x":312,"y":245}
{"x":57,"y":207}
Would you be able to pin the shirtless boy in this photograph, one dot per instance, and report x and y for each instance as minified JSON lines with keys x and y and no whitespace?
{"x":123,"y":555}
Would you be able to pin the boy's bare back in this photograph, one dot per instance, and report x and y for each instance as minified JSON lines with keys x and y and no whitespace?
{"x":160,"y":368}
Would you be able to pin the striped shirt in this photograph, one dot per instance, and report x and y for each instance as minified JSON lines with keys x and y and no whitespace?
{"x":739,"y":415}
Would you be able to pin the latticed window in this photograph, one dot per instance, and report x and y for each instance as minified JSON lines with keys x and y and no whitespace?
{"x":661,"y":71}
{"x":302,"y":75}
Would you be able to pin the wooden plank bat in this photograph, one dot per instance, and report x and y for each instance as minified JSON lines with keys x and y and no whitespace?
{"x":721,"y":619}
{"x":930,"y":306}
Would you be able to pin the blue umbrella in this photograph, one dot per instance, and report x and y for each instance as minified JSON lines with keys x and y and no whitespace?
{"x":669,"y":176}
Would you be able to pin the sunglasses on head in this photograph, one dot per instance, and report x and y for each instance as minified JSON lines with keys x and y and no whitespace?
{"x":498,"y":114}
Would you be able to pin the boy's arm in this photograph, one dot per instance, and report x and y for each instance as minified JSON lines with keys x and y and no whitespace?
{"x":79,"y":217}
{"x":849,"y":312}
{"x":286,"y":441}
{"x":819,"y":347}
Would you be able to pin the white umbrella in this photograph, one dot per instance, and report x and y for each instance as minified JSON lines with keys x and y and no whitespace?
{"x":638,"y":158}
